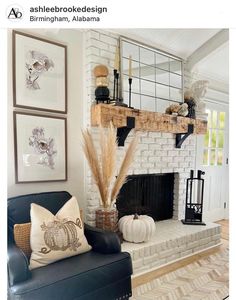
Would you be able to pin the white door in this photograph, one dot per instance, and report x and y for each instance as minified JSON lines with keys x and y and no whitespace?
{"x":212,"y":157}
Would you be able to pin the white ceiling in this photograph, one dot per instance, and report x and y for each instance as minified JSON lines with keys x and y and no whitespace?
{"x":183,"y":43}
{"x":215,"y":65}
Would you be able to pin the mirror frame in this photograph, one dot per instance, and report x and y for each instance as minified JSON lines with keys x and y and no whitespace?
{"x":123,"y":39}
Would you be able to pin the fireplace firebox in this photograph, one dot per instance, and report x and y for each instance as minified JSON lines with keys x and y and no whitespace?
{"x":149,"y":194}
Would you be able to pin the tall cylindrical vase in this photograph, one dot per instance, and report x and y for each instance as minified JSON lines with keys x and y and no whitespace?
{"x":107,"y":219}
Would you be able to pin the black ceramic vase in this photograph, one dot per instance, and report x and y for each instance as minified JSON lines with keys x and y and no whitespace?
{"x":102,"y":94}
{"x":191,"y":109}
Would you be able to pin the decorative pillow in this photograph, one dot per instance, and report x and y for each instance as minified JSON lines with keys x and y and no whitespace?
{"x":22,"y":237}
{"x":56,"y":237}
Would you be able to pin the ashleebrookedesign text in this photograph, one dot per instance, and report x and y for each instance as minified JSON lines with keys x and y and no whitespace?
{"x":77,"y":13}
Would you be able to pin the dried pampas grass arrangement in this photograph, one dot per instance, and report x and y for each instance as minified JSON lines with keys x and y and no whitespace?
{"x":103,"y":167}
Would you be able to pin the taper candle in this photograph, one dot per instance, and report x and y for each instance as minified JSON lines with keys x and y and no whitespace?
{"x":130,"y":66}
{"x":117,"y":59}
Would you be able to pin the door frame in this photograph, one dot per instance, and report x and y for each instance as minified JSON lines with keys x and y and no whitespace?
{"x":224,"y":214}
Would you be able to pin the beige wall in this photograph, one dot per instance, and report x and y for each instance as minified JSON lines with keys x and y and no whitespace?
{"x":75,"y":118}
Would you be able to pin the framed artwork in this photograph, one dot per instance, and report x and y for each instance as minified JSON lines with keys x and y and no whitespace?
{"x":40,"y":144}
{"x":39,"y":73}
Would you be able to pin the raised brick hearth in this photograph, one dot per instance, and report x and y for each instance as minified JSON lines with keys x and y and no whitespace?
{"x":173,"y":241}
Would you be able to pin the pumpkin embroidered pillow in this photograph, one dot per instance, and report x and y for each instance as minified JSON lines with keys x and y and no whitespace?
{"x":54,"y":237}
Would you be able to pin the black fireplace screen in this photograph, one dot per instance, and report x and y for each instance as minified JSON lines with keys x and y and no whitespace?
{"x":149,"y":194}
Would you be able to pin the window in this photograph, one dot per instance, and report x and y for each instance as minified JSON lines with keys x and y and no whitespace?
{"x":157,"y":76}
{"x":214,"y":139}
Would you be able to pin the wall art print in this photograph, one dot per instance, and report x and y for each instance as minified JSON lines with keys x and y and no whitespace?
{"x":39,"y":73}
{"x":40,"y":148}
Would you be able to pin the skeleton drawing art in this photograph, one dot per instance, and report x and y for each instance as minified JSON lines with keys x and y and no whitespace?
{"x":36,"y":65}
{"x":43,"y":146}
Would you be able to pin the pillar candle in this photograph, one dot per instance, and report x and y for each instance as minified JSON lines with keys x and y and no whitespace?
{"x":117,"y":59}
{"x":130,"y":66}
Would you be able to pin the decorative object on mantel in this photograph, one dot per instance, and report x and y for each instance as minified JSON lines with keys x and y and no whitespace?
{"x":191,"y":104}
{"x":196,"y":93}
{"x":102,"y":91}
{"x":116,"y":75}
{"x":116,"y":96}
{"x":130,"y":79}
{"x":183,"y":110}
{"x":103,"y":168}
{"x":137,"y":229}
{"x":103,"y":114}
{"x":194,"y":203}
{"x":177,"y":109}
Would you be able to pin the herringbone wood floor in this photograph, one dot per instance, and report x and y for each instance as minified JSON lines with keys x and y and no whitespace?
{"x":192,"y":262}
{"x":205,"y":279}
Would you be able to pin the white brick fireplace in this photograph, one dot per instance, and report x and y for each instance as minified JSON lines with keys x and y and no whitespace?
{"x":156,"y":152}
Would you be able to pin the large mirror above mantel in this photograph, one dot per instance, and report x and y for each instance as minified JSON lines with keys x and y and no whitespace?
{"x":157,"y":76}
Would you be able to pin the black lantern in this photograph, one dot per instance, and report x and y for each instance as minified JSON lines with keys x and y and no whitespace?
{"x":194,"y":199}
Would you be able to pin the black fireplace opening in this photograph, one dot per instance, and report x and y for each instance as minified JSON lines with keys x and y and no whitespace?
{"x":147,"y":194}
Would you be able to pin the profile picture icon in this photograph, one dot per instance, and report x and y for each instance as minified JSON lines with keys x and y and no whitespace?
{"x":14,"y":12}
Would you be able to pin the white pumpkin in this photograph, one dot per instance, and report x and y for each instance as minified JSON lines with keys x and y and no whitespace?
{"x":137,"y":229}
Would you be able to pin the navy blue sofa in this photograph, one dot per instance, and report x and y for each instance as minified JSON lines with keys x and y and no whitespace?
{"x":103,"y":273}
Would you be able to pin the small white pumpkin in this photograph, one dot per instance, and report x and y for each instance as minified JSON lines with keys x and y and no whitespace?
{"x":137,"y":229}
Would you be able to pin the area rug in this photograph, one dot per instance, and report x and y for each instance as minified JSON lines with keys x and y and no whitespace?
{"x":207,"y":278}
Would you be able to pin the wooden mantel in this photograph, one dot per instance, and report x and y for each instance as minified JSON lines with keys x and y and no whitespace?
{"x":103,"y":114}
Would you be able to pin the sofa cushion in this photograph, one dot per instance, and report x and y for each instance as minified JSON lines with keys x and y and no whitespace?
{"x":22,"y":237}
{"x":75,"y":277}
{"x":55,"y":237}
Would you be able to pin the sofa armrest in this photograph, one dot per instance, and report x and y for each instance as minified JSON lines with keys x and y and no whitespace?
{"x":102,"y":241}
{"x":17,"y":264}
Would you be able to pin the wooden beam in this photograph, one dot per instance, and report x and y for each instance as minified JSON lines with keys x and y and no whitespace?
{"x":103,"y":114}
{"x":207,"y":48}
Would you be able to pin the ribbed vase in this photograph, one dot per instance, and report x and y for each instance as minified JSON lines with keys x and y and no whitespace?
{"x":107,"y":219}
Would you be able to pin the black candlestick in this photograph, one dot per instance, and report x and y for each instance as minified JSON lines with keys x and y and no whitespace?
{"x":130,"y":84}
{"x":117,"y":87}
{"x":191,"y":174}
{"x":114,"y":86}
{"x":116,"y":98}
